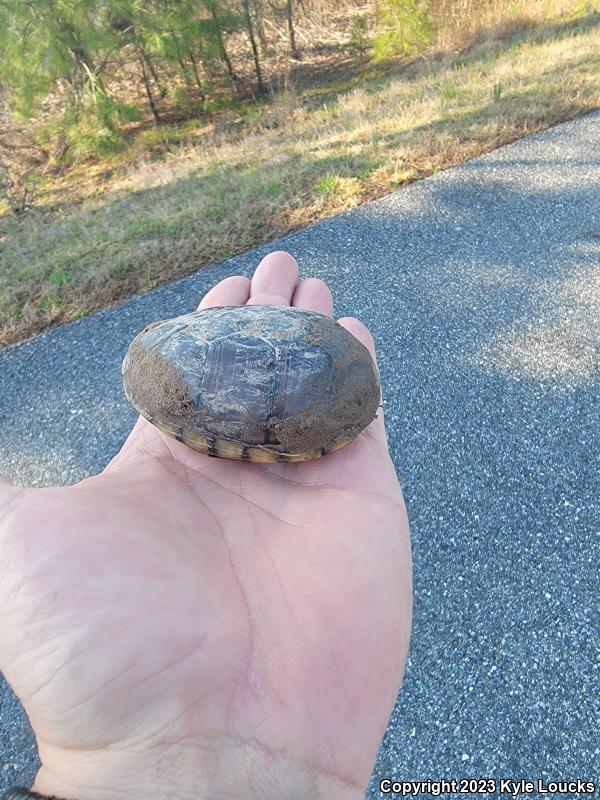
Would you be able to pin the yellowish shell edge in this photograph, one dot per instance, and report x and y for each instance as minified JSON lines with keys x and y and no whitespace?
{"x":235,"y":450}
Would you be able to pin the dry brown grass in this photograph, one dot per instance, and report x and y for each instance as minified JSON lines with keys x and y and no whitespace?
{"x":190,"y":195}
{"x":462,"y":24}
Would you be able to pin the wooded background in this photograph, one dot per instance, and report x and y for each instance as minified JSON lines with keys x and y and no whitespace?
{"x":143,"y":139}
{"x":86,"y":70}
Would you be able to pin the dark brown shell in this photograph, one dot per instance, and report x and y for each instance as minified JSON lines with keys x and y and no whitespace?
{"x":259,"y":383}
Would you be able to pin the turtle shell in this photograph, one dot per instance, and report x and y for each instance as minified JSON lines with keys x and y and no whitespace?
{"x":258,"y":383}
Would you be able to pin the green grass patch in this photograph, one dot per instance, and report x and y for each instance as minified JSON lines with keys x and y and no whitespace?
{"x":328,"y":186}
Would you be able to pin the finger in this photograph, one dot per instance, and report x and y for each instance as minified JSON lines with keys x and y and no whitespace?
{"x":360,"y":331}
{"x":274,"y":280}
{"x":313,"y":294}
{"x":233,"y":291}
{"x":364,"y":336}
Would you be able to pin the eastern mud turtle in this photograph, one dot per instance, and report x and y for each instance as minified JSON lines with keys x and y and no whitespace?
{"x":256,"y":383}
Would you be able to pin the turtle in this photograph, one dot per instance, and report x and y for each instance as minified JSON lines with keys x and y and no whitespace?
{"x":258,"y":383}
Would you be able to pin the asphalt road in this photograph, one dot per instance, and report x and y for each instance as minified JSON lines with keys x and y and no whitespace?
{"x":482,"y":288}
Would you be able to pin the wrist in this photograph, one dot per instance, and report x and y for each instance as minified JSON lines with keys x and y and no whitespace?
{"x":224,"y":768}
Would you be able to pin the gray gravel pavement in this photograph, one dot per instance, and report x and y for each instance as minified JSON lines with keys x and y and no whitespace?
{"x":482,"y":288}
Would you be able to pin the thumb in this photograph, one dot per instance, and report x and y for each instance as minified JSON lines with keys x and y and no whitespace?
{"x":10,"y":497}
{"x":13,"y":634}
{"x":8,"y":492}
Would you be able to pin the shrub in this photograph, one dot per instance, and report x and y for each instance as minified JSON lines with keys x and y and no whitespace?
{"x":404,"y":26}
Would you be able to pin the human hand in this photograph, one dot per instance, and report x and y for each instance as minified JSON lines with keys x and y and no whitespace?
{"x":184,"y":626}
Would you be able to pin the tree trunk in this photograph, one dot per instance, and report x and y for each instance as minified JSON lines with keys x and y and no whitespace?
{"x":260,"y":28}
{"x":290,"y":22}
{"x":155,"y":77}
{"x":260,"y":86}
{"x":221,"y":43}
{"x":197,"y":76}
{"x":79,"y":75}
{"x":184,"y":72}
{"x":149,"y":94}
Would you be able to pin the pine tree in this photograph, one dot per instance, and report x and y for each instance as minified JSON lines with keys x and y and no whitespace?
{"x":61,"y":45}
{"x":403,"y":26}
{"x":218,"y":28}
{"x":218,"y":18}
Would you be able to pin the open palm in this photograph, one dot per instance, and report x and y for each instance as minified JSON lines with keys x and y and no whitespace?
{"x":200,"y":627}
